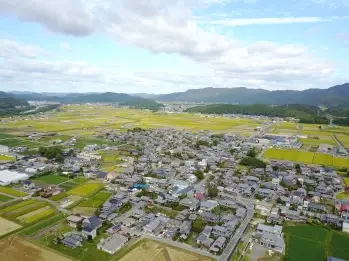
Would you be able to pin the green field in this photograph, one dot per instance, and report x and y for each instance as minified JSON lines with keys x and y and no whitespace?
{"x":59,"y":196}
{"x":110,"y":159}
{"x":85,"y":121}
{"x":12,"y":192}
{"x":339,"y":245}
{"x":96,"y":201}
{"x":6,"y":158}
{"x":312,"y":243}
{"x":306,"y":157}
{"x":86,"y":190}
{"x":292,"y":155}
{"x":15,"y":142}
{"x":4,"y":198}
{"x":51,"y":179}
{"x":342,"y":195}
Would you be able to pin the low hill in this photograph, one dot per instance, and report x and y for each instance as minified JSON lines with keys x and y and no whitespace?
{"x":306,"y":113}
{"x":331,"y":97}
{"x":108,"y":97}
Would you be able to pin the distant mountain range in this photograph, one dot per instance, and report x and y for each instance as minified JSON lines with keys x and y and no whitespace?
{"x":336,"y":96}
{"x":332,"y":97}
{"x":107,"y":97}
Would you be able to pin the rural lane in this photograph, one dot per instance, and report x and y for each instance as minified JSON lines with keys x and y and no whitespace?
{"x":180,"y":245}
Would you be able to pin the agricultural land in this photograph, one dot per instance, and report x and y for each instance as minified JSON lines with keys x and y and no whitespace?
{"x":312,"y":243}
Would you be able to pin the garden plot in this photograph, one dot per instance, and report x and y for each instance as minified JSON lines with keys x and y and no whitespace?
{"x":7,"y":226}
{"x":36,"y":215}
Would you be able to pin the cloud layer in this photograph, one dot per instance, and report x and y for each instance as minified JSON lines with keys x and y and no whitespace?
{"x":160,"y":26}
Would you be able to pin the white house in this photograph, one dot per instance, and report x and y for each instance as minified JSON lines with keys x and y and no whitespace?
{"x":4,"y":149}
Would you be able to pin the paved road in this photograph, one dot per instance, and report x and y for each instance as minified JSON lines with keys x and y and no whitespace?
{"x":339,"y":143}
{"x":180,"y":245}
{"x":237,"y":236}
{"x":55,"y":204}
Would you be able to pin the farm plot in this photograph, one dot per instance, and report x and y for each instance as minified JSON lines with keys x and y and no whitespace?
{"x":96,"y":201}
{"x":17,"y":206}
{"x":291,"y":155}
{"x":28,"y":211}
{"x":4,"y":198}
{"x":341,"y":162}
{"x":148,"y":250}
{"x":339,"y":245}
{"x":86,"y":211}
{"x":306,"y":243}
{"x":51,"y":179}
{"x":6,"y":158}
{"x":59,"y":196}
{"x":301,"y":249}
{"x":69,"y":185}
{"x":323,"y":159}
{"x":110,"y":159}
{"x":12,"y":192}
{"x":15,"y":142}
{"x":36,"y":215}
{"x":86,"y":190}
{"x":7,"y":226}
{"x":15,"y":248}
{"x":306,"y":157}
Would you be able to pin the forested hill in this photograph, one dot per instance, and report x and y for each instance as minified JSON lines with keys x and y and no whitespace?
{"x":10,"y":103}
{"x":108,"y":97}
{"x":331,"y":97}
{"x":306,"y":113}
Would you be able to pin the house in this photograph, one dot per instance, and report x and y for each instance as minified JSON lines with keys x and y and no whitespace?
{"x":221,"y":231}
{"x":218,"y":244}
{"x":185,"y":229}
{"x":240,"y":213}
{"x":289,"y":181}
{"x":27,"y":184}
{"x":208,"y":205}
{"x":330,"y":219}
{"x":191,"y":203}
{"x":209,"y":217}
{"x":345,"y":227}
{"x":4,"y":149}
{"x":72,"y":240}
{"x":271,"y":237}
{"x":112,"y":244}
{"x":317,"y":207}
{"x":90,"y":226}
{"x":74,"y":221}
{"x":111,"y":176}
{"x":204,"y":235}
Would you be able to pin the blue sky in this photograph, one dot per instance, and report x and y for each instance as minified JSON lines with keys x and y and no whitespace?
{"x":162,"y":46}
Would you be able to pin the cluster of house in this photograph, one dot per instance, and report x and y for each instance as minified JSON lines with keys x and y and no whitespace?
{"x":178,"y":169}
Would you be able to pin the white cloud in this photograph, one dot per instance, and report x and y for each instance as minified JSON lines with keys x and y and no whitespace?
{"x":10,"y":48}
{"x":65,"y":46}
{"x":165,"y":26}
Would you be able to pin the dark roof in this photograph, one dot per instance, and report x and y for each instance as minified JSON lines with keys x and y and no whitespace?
{"x":94,"y":222}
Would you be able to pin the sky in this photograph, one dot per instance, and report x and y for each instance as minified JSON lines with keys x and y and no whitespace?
{"x":164,"y":46}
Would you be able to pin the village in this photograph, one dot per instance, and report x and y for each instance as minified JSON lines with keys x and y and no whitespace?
{"x":198,"y":191}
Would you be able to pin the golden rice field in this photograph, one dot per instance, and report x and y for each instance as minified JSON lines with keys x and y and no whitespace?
{"x":306,"y":157}
{"x":86,"y":121}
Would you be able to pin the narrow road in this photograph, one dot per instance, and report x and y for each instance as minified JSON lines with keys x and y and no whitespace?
{"x":55,"y":204}
{"x":180,"y":245}
{"x":228,"y":251}
{"x":339,"y":144}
